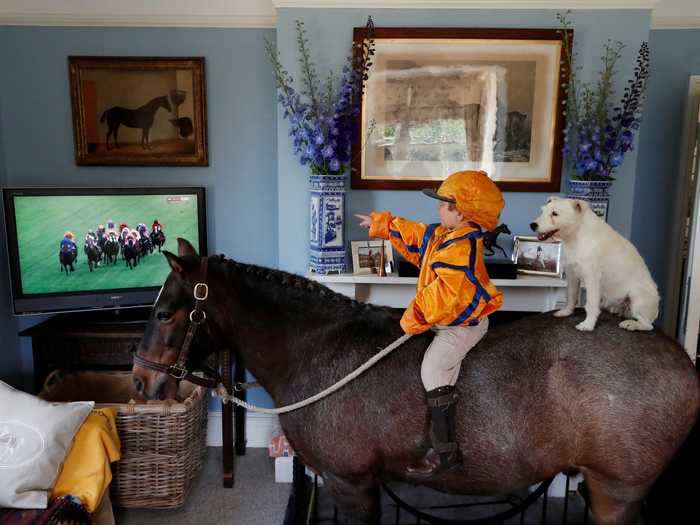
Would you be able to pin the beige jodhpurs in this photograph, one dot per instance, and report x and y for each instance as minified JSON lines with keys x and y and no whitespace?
{"x":443,"y":358}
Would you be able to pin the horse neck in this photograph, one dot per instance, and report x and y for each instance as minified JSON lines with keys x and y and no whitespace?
{"x":277,"y":322}
{"x":154,"y":104}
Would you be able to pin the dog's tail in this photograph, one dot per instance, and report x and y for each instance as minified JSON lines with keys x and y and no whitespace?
{"x":104,"y":116}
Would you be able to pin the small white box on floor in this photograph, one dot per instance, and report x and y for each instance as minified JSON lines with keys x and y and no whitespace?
{"x":284,"y":469}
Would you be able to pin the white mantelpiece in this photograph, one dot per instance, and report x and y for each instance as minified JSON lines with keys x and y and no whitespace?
{"x":527,"y":293}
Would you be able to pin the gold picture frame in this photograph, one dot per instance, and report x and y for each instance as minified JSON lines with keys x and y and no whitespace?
{"x":440,"y":100}
{"x":139,"y":111}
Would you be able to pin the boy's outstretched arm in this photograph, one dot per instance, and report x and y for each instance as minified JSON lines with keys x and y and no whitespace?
{"x":408,"y":237}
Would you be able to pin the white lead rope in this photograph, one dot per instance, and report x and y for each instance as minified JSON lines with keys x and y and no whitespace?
{"x":222,"y":393}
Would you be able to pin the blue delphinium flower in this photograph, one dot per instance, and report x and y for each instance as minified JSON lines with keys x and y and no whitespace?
{"x":323,"y":127}
{"x":598,"y":134}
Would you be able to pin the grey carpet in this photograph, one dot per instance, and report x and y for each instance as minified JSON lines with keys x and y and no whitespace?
{"x":255,"y":498}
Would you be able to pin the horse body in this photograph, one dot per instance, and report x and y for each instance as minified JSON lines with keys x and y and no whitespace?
{"x":537,"y":397}
{"x":141,"y":117}
{"x":111,"y":250}
{"x":67,"y":257}
{"x":130,"y":252}
{"x":157,"y":239}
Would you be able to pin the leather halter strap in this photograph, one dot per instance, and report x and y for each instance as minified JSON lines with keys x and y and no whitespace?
{"x":178,"y":370}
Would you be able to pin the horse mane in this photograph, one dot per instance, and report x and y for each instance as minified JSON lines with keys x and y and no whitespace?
{"x":314,"y":295}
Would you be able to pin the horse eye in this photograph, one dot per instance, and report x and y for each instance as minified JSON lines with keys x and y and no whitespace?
{"x":555,"y":214}
{"x":164,"y":316}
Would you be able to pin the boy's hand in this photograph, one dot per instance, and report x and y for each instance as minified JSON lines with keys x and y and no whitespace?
{"x":365,"y":220}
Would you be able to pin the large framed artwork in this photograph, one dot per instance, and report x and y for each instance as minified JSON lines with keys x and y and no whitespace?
{"x":140,"y":111}
{"x":440,"y":100}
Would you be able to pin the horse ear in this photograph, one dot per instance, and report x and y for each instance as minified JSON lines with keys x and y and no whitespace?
{"x":174,"y":262}
{"x":185,"y":248}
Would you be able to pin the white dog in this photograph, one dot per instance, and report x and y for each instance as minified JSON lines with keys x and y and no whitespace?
{"x":614,"y":274}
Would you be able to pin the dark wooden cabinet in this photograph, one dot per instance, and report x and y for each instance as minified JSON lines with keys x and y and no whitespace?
{"x":85,"y":342}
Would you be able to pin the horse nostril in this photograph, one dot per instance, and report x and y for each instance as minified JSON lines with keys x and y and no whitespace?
{"x":160,"y":394}
{"x":138,"y":383}
{"x":533,"y":226}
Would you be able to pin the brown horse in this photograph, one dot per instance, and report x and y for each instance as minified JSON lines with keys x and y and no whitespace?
{"x":537,"y":397}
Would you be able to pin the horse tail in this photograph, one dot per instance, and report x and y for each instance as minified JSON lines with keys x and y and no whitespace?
{"x":104,"y":115}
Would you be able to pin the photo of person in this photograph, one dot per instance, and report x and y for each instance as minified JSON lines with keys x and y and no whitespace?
{"x":537,"y":257}
{"x":369,"y":256}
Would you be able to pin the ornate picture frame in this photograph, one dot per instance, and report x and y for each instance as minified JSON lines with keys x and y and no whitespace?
{"x":139,"y":111}
{"x":440,"y":100}
{"x":536,"y":257}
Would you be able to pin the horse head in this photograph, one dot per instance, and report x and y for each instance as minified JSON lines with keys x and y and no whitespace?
{"x":170,"y":322}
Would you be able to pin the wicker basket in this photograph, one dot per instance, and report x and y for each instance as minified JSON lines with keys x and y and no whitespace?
{"x":162,"y":443}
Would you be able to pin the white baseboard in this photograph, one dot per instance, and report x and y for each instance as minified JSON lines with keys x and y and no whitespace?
{"x":259,"y":429}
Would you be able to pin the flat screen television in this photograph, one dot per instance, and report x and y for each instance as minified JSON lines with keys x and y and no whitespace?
{"x":41,"y":222}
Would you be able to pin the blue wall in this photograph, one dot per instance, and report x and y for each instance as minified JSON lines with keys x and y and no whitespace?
{"x":256,"y":188}
{"x":330,"y":35}
{"x":10,"y":358}
{"x":241,"y":179}
{"x":675,"y":55}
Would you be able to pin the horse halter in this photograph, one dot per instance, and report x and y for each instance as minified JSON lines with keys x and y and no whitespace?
{"x":197,"y":317}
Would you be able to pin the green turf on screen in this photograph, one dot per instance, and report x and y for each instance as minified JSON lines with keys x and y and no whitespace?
{"x":42,"y":221}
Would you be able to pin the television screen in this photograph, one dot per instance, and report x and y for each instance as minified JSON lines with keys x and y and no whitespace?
{"x":96,"y":248}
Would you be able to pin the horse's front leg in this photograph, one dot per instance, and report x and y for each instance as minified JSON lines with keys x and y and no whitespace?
{"x":358,"y":501}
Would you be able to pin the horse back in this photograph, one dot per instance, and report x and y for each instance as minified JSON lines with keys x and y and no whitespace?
{"x":602,"y":399}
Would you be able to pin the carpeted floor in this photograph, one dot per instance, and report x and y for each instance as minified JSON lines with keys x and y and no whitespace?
{"x":255,"y":498}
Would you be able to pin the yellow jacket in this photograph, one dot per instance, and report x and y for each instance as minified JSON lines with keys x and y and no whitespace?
{"x":453,"y":286}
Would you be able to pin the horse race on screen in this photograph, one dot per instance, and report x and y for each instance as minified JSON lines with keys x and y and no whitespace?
{"x":97,"y":242}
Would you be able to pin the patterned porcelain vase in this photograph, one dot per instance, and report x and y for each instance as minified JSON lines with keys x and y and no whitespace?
{"x":593,"y":191}
{"x":326,"y":224}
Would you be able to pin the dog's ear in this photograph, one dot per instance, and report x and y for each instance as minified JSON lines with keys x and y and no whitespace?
{"x":551,"y":198}
{"x":581,"y":206}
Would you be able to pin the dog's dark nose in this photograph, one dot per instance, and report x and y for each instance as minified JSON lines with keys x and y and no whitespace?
{"x":533,"y":226}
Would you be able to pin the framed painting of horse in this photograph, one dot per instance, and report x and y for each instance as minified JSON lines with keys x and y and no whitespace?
{"x":139,"y":111}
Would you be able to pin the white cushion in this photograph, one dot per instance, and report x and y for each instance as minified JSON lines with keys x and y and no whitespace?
{"x":35,"y":437}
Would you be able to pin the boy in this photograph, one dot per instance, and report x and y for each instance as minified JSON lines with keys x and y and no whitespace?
{"x":454,"y":295}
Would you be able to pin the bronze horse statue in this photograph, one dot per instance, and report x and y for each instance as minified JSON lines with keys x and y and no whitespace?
{"x":537,"y":397}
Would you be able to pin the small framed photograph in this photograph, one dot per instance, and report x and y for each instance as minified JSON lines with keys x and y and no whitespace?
{"x":537,"y":257}
{"x":369,"y":256}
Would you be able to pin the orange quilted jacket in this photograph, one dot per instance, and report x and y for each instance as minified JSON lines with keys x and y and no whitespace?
{"x":453,"y":286}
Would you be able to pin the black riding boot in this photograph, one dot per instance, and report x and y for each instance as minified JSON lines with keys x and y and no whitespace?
{"x":444,"y":453}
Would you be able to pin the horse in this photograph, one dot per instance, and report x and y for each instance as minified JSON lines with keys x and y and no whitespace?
{"x":141,"y":117}
{"x":537,"y":397}
{"x":130,"y":252}
{"x":158,"y":239}
{"x":490,"y":238}
{"x":67,"y":257}
{"x":93,"y":253}
{"x":111,"y":249}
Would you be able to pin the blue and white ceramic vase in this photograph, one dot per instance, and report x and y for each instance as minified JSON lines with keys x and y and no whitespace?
{"x":596,"y":192}
{"x":327,"y":224}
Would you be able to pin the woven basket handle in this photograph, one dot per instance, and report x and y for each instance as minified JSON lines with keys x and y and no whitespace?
{"x":51,"y":381}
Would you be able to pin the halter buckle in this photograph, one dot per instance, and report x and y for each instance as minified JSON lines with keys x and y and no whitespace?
{"x":177,"y":371}
{"x":201,"y":291}
{"x":202,"y":316}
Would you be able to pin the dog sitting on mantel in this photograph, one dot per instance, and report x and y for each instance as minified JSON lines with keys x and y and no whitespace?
{"x":609,"y":266}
